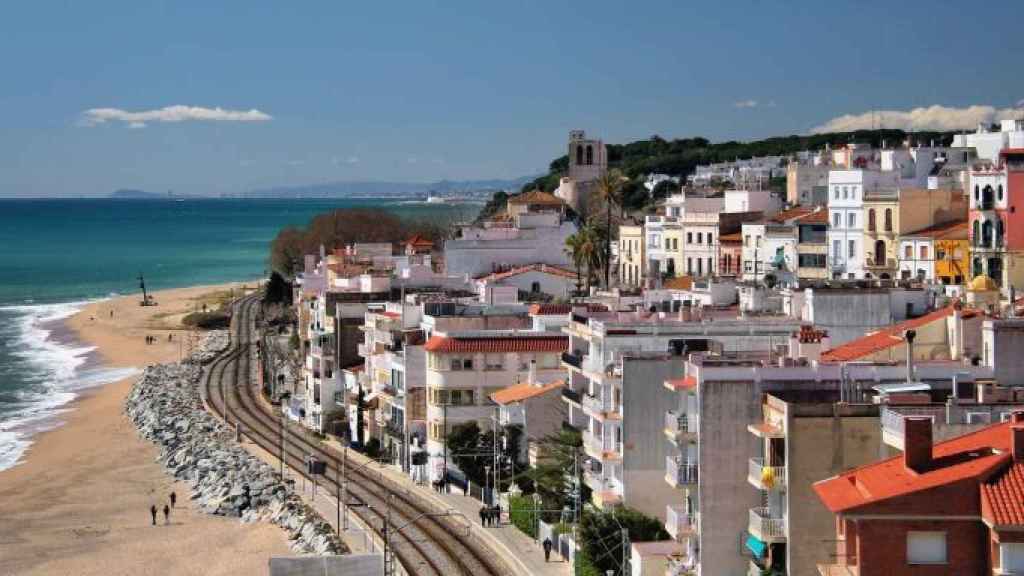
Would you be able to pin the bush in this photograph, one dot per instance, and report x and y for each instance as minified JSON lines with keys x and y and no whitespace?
{"x":372,"y":448}
{"x":207,"y":320}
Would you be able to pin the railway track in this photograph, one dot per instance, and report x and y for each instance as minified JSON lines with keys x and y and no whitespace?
{"x":425,"y":540}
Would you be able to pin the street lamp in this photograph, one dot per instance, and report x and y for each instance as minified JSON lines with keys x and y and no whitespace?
{"x":487,"y":484}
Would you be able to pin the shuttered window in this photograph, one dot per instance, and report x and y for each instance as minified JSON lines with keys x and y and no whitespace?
{"x":926,"y":547}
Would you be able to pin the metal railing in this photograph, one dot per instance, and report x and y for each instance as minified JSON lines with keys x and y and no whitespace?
{"x":572,"y":359}
{"x":677,"y":423}
{"x":757,"y":471}
{"x":765,"y":526}
{"x":892,"y":419}
{"x":595,"y":404}
{"x":680,"y":471}
{"x":678,"y":522}
{"x":571,"y":395}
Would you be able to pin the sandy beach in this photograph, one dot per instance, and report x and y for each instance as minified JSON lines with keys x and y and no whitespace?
{"x":79,"y":503}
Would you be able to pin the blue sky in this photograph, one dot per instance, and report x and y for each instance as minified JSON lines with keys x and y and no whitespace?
{"x":418,"y":91}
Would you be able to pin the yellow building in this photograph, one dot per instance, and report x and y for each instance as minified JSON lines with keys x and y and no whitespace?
{"x":631,"y":255}
{"x":938,"y":253}
{"x":891,"y":213}
{"x":673,"y":258}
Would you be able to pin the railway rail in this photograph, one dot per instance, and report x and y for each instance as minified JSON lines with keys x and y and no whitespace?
{"x":424,"y":539}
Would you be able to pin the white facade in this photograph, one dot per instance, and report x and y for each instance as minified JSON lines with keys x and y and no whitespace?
{"x":700,"y":243}
{"x":917,"y":258}
{"x":480,"y":249}
{"x":989,"y":144}
{"x":751,"y":201}
{"x":846,"y":218}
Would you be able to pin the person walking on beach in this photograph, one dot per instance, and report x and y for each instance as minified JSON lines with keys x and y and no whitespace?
{"x":167,"y":514}
{"x":547,"y":549}
{"x":483,"y":516}
{"x":174,"y":498}
{"x":152,"y":512}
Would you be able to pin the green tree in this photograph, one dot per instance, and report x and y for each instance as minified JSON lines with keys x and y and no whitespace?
{"x":360,"y":416}
{"x":278,"y":290}
{"x":609,"y":193}
{"x":664,"y":189}
{"x":553,"y":477}
{"x":603,"y":534}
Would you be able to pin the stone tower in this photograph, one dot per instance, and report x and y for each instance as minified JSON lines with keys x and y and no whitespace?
{"x":588,"y":161}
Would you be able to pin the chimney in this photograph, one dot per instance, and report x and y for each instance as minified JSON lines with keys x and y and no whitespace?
{"x":532,"y":375}
{"x":909,"y":335}
{"x":917,"y":442}
{"x":1017,"y":442}
{"x":1017,"y":417}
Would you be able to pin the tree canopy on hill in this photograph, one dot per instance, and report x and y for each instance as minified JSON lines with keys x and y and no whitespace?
{"x":339,"y":228}
{"x":681,"y":156}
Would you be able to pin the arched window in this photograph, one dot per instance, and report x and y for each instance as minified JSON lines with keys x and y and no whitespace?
{"x":579,"y":156}
{"x":986,"y":234}
{"x":987,"y":195}
{"x":977,"y":193}
{"x":888,"y":219}
{"x":590,"y":155}
{"x":871,"y":220}
{"x":535,"y":287}
{"x":999,"y":232}
{"x":976,"y":236}
{"x":1000,"y":192}
{"x":880,"y":252}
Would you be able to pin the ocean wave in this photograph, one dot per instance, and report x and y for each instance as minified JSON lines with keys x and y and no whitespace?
{"x":52,"y":372}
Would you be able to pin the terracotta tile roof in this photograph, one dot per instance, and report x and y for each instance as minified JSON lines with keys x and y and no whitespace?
{"x":524,"y":391}
{"x":735,"y":237}
{"x":971,"y":456}
{"x":883,"y":339}
{"x":562,"y":309}
{"x":392,"y":315}
{"x":816,"y":217}
{"x":947,"y":230}
{"x":418,"y":240}
{"x":512,"y":343}
{"x":544,"y":268}
{"x":678,"y":283}
{"x":536,"y":197}
{"x":1002,"y":497}
{"x":685,"y":383}
{"x":355,"y":369}
{"x":791,"y":214}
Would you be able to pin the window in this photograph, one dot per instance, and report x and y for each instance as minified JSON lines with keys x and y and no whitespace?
{"x":871,"y":220}
{"x":746,"y":240}
{"x":853,"y":249}
{"x":711,"y":262}
{"x":835,"y":249}
{"x":456,"y":363}
{"x":746,"y":266}
{"x":924,"y":252}
{"x":846,"y":192}
{"x":926,"y":547}
{"x":1011,"y":558}
{"x":1000,"y":192}
{"x":495,"y":361}
{"x":888,"y":219}
{"x":535,"y":287}
{"x":689,"y":265}
{"x":689,"y":237}
{"x":675,"y":243}
{"x":837,"y":220}
{"x":851,"y":220}
{"x":835,"y":191}
{"x":908,"y":252}
{"x":668,"y":244}
{"x":579,"y":155}
{"x":700,"y":237}
{"x":590,"y":155}
{"x":709,"y":239}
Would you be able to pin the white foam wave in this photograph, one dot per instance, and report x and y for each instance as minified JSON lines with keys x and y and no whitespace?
{"x":55,"y":372}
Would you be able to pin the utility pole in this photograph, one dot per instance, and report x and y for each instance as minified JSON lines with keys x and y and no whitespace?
{"x":337,"y":493}
{"x":497,"y":460}
{"x":444,"y":434}
{"x":387,"y":538}
{"x":344,"y":486}
{"x":282,"y":444}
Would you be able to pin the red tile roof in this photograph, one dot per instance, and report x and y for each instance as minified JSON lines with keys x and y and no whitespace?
{"x":536,"y":197}
{"x":524,"y":391}
{"x":883,"y":339}
{"x":1002,"y":497}
{"x":686,"y":383}
{"x":678,"y":283}
{"x":971,"y":456}
{"x":816,"y":217}
{"x":735,"y":237}
{"x":516,"y":343}
{"x":791,"y":214}
{"x":947,"y":230}
{"x":418,"y":240}
{"x":544,"y":268}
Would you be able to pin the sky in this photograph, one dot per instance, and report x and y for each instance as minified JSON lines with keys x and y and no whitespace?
{"x":222,"y":97}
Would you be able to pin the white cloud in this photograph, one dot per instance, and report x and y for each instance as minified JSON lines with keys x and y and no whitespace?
{"x":926,"y":118}
{"x":177,"y":113}
{"x":746,"y":104}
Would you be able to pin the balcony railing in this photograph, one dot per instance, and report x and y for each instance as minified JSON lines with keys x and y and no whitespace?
{"x":596,"y":405}
{"x":766,"y":477}
{"x":885,"y":263}
{"x":571,"y":395}
{"x":599,"y":447}
{"x":679,"y":523}
{"x":765,"y":526}
{"x":677,"y":425}
{"x":572,"y":359}
{"x":893,"y":419}
{"x":679,"y":472}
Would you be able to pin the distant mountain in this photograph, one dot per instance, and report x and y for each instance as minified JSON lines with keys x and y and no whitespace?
{"x":130,"y":194}
{"x":375,"y":189}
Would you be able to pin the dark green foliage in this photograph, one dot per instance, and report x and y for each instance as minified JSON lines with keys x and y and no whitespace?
{"x":634,"y":195}
{"x":207,"y":320}
{"x":602,"y":539}
{"x":373,"y":448}
{"x":360,"y":416}
{"x":664,"y":189}
{"x":522,"y":511}
{"x":278,"y":290}
{"x":494,"y":206}
{"x":552,"y":477}
{"x":472,"y":451}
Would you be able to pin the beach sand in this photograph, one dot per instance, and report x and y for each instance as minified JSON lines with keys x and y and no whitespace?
{"x":79,"y":503}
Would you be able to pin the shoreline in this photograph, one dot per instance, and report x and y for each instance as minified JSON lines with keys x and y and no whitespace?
{"x":77,"y":503}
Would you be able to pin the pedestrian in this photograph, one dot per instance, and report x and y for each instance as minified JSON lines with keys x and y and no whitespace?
{"x":174,"y":498}
{"x":170,"y":336}
{"x":496,"y":515}
{"x":465,"y":488}
{"x":547,"y":549}
{"x":483,"y":515}
{"x":152,"y":512}
{"x":167,"y":514}
{"x":111,"y":312}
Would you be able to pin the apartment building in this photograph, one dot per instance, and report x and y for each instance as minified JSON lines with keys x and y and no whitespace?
{"x":465,"y":368}
{"x":996,"y":227}
{"x":812,"y":245}
{"x":663,"y":249}
{"x":846,"y":209}
{"x":990,"y":143}
{"x":939,"y":253}
{"x":631,"y":255}
{"x":770,"y":245}
{"x":806,"y":183}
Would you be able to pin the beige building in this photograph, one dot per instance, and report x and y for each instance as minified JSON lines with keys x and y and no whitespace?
{"x":807,"y":184}
{"x":631,"y":255}
{"x":892,"y":212}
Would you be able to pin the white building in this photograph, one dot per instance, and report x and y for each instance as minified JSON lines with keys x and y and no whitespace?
{"x":989,"y":144}
{"x":846,"y":214}
{"x":534,"y":279}
{"x":588,"y":161}
{"x":464,"y":369}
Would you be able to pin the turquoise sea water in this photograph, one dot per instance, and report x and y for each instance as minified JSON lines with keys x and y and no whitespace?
{"x":57,"y":254}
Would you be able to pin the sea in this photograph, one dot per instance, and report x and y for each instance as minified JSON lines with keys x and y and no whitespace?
{"x":58,"y":255}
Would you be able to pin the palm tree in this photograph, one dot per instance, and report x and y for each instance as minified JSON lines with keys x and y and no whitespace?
{"x":609,"y":191}
{"x":590,"y":250}
{"x":574,"y":248}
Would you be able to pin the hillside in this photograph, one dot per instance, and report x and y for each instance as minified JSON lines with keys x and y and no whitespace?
{"x":679,"y":157}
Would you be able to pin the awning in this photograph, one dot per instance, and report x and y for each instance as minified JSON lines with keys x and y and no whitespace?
{"x":756,"y":546}
{"x":903,"y":387}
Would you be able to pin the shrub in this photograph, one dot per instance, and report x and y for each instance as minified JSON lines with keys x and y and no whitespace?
{"x":522,"y":514}
{"x":207,"y":320}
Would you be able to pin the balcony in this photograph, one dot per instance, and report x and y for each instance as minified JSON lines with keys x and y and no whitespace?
{"x":766,"y":527}
{"x":598,"y":407}
{"x":766,"y":477}
{"x":838,"y":570}
{"x":681,"y":565}
{"x":597,"y":447}
{"x":678,"y":523}
{"x":880,"y":263}
{"x":679,"y":472}
{"x":680,"y":427}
